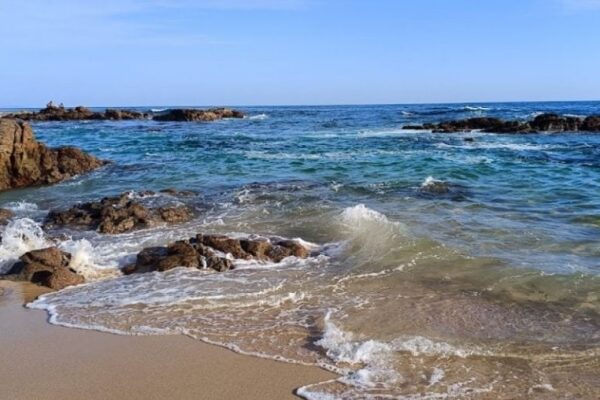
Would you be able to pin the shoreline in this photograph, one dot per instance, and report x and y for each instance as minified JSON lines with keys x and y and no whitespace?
{"x":56,"y":362}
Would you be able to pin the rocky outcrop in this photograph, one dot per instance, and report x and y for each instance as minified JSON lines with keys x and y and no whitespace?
{"x":53,"y":112}
{"x":47,"y":267}
{"x":212,"y":114}
{"x":59,"y":113}
{"x":215,"y":252}
{"x":118,"y":214}
{"x":26,"y":162}
{"x":5,"y":215}
{"x":541,"y":123}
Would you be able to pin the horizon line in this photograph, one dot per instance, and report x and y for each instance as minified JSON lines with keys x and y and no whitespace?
{"x":312,"y":105}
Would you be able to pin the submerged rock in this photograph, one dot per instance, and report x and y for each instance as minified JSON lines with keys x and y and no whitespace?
{"x":47,"y":267}
{"x":212,"y":114}
{"x":26,"y":162}
{"x":214,"y":252}
{"x":542,"y":123}
{"x":117,"y":214}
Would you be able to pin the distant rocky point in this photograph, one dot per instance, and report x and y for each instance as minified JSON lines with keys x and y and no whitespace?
{"x":53,"y":112}
{"x":541,"y":123}
{"x":26,"y":162}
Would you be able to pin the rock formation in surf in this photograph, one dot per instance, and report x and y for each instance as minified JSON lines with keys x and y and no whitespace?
{"x":118,"y":214}
{"x":53,"y":112}
{"x":26,"y":162}
{"x":541,"y":123}
{"x":215,"y":252}
{"x":47,"y":267}
{"x":212,"y":114}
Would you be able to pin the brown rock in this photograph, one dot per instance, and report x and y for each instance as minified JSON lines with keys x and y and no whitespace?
{"x":119,"y":214}
{"x":26,"y":162}
{"x":220,"y":264}
{"x":224,"y":244}
{"x":5,"y":215}
{"x":198,"y":252}
{"x":259,"y":249}
{"x":48,"y":267}
{"x":175,"y":214}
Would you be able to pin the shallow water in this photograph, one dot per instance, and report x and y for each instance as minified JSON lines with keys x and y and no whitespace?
{"x":490,"y":289}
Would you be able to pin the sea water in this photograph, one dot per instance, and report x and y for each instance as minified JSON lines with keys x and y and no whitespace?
{"x":446,"y":268}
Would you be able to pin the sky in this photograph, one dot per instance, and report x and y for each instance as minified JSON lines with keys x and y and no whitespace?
{"x":271,"y":52}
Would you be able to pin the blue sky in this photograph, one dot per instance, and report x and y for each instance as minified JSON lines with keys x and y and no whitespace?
{"x":250,"y":52}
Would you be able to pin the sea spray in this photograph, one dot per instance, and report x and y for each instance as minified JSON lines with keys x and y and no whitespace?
{"x":20,"y":236}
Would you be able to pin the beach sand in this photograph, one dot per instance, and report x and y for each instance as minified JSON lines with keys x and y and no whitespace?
{"x":42,"y":361}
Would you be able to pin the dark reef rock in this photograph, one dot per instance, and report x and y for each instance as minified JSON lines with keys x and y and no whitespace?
{"x":79,"y":113}
{"x":53,"y":112}
{"x":26,"y":162}
{"x":118,"y":214}
{"x":47,"y":267}
{"x":5,"y":215}
{"x":541,"y":123}
{"x":213,"y":252}
{"x":212,"y":114}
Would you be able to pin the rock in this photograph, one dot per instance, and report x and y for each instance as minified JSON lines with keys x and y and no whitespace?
{"x":555,"y":123}
{"x":219,"y":264}
{"x":212,"y":114}
{"x":200,"y":252}
{"x":79,"y":113}
{"x":224,"y":244}
{"x":591,"y":124}
{"x":26,"y":162}
{"x":113,"y":215}
{"x":5,"y":215}
{"x":258,"y":249}
{"x":175,"y":214}
{"x":47,"y":267}
{"x":542,"y":123}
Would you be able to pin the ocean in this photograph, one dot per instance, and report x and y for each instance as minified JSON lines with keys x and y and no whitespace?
{"x":446,"y":268}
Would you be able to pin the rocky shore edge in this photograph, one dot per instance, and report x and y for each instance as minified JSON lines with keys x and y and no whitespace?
{"x":26,"y":162}
{"x":53,"y":112}
{"x":549,"y":122}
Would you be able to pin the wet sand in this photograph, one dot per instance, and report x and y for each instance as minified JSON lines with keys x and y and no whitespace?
{"x":42,"y":361}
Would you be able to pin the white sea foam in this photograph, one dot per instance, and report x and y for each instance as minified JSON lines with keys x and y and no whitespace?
{"x":474,"y":108}
{"x":373,"y":356}
{"x":83,"y":260}
{"x":431,"y":182}
{"x":258,"y":117}
{"x":21,"y":206}
{"x":20,"y":236}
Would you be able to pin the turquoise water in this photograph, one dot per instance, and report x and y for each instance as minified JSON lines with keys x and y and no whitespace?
{"x":489,"y":289}
{"x":530,"y":198}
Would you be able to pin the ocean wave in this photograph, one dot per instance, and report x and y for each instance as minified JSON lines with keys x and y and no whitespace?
{"x":21,"y":206}
{"x":20,"y":236}
{"x":476,"y":108}
{"x":258,"y":117}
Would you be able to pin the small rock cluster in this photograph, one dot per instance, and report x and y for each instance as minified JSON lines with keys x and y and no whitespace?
{"x":117,"y":214}
{"x":215,"y":252}
{"x":541,"y":123}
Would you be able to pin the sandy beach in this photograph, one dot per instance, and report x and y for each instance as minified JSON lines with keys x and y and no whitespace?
{"x":42,"y":361}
